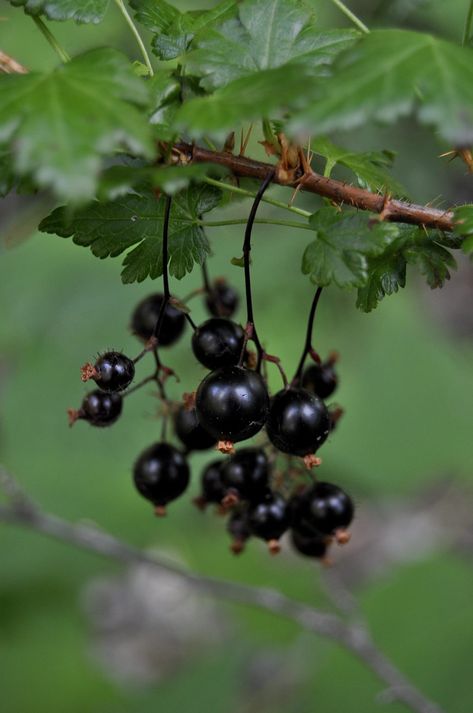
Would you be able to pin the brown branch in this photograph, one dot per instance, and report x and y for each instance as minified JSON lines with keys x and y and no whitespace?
{"x":350,"y":634}
{"x":8,"y":65}
{"x":341,"y":193}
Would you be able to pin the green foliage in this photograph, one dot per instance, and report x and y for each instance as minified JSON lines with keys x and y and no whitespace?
{"x":265,"y":60}
{"x":389,"y":74}
{"x":78,"y":10}
{"x":387,"y":271}
{"x":60,"y":123}
{"x":463,"y":216}
{"x":174,"y":30}
{"x":342,"y":245}
{"x":111,"y":228}
{"x":372,"y":168}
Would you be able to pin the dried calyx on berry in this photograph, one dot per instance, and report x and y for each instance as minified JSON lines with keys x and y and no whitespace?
{"x":161,"y":474}
{"x":218,"y":342}
{"x":98,"y":408}
{"x":321,"y":379}
{"x":232,"y":403}
{"x":298,"y":422}
{"x":145,"y":318}
{"x":222,"y":299}
{"x":113,"y":371}
{"x":246,"y":474}
{"x":189,"y":431}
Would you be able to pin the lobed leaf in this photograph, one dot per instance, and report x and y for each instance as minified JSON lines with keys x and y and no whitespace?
{"x":463,"y":216}
{"x":60,"y":123}
{"x":83,"y":11}
{"x":110,"y":228}
{"x":344,"y":241}
{"x":371,"y":168}
{"x":391,"y":73}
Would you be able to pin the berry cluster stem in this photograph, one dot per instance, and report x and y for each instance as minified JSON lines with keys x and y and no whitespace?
{"x":308,"y":339}
{"x":246,"y":258}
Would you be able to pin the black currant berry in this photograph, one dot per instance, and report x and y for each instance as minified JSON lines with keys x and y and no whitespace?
{"x":98,"y":408}
{"x":222,"y":301}
{"x":161,"y":474}
{"x":190,"y":432}
{"x":113,"y":371}
{"x":238,"y":527}
{"x":298,"y":422}
{"x":321,"y":379}
{"x":145,"y":317}
{"x":322,"y":508}
{"x":212,"y":488}
{"x":232,"y":403}
{"x":247,"y":473}
{"x":309,"y":545}
{"x":218,"y":342}
{"x":269,"y":520}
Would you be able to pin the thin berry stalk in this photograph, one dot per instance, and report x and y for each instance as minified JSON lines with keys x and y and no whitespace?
{"x":250,"y":327}
{"x":308,"y":339}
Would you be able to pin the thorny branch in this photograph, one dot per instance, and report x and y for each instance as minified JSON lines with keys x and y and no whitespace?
{"x":341,"y":193}
{"x":352,"y":634}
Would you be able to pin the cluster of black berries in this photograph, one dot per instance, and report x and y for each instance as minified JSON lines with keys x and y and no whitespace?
{"x":265,"y":489}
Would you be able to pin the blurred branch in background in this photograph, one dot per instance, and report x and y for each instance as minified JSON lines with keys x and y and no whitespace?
{"x":351,"y":632}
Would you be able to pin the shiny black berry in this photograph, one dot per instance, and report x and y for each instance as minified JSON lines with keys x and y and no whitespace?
{"x":161,"y":474}
{"x":269,"y":519}
{"x":223,"y":300}
{"x":247,"y":474}
{"x":145,"y":317}
{"x":232,"y":403}
{"x":99,"y":408}
{"x":298,"y":422}
{"x":113,"y":371}
{"x":238,"y":527}
{"x":218,"y":342}
{"x":321,"y":379}
{"x":309,"y":545}
{"x":190,"y":432}
{"x":322,"y":508}
{"x":212,"y":488}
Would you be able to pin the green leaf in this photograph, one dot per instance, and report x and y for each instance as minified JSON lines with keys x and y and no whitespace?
{"x":463,"y":217}
{"x":79,"y":10}
{"x":7,"y":180}
{"x":267,"y":60}
{"x":174,"y":30}
{"x":110,"y":228}
{"x":382,"y":77}
{"x":267,"y":34}
{"x":387,"y":271}
{"x":432,"y":260}
{"x":372,"y":168}
{"x":386,"y":274}
{"x":60,"y":123}
{"x":342,"y":245}
{"x":244,"y":99}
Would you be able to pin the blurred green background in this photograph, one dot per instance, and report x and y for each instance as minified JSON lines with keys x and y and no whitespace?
{"x":78,"y":635}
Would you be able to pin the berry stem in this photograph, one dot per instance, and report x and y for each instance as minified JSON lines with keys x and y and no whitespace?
{"x":139,"y":385}
{"x":308,"y":339}
{"x":164,"y":261}
{"x":246,"y":257}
